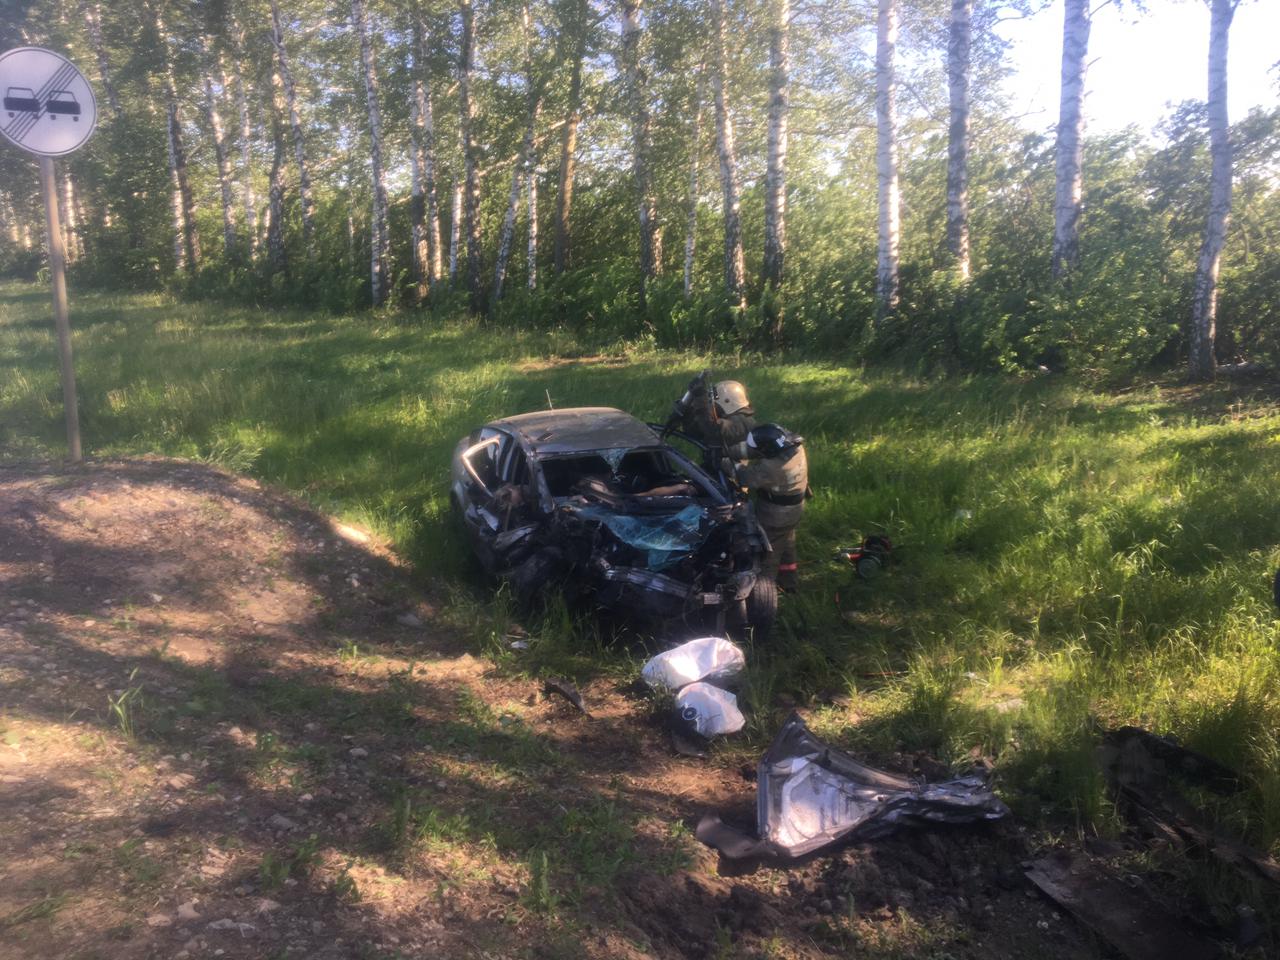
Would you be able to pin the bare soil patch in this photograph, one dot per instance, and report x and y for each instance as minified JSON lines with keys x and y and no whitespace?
{"x":230,"y":727}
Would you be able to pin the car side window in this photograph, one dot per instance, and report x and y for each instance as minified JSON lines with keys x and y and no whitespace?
{"x":487,"y":458}
{"x":517,"y":467}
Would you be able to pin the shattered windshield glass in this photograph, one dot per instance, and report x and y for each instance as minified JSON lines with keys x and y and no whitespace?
{"x":665,"y":538}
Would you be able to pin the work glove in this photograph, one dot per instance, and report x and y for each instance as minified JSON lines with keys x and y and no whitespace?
{"x":698,"y":385}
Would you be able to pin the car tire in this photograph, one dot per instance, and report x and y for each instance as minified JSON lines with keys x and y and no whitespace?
{"x":530,"y":580}
{"x":762,"y":607}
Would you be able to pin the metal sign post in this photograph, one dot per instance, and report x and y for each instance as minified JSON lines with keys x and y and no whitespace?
{"x":49,"y":110}
{"x":57,"y":272}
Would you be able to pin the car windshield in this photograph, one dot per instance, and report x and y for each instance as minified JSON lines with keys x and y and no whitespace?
{"x":639,"y":472}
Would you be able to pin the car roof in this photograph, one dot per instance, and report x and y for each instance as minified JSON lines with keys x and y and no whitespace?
{"x":577,"y":429}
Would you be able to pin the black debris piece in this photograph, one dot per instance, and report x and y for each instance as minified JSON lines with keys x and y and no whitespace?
{"x":1121,"y":913}
{"x":565,"y":689}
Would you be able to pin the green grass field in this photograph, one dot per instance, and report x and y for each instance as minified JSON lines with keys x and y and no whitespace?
{"x":1069,"y":557}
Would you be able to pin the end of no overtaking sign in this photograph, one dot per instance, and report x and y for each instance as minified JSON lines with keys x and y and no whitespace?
{"x":48,"y":107}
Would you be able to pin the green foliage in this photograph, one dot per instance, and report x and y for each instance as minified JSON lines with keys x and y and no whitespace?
{"x":125,"y":706}
{"x":1124,"y":310}
{"x":275,"y":868}
{"x":1068,"y":558}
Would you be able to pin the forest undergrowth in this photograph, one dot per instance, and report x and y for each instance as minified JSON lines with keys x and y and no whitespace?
{"x":1068,"y":558}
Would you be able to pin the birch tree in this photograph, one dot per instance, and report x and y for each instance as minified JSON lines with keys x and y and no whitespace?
{"x":734,"y":270}
{"x":67,"y":214}
{"x":186,"y":242}
{"x":775,"y":177}
{"x":295,"y":123}
{"x":1069,"y":167}
{"x":91,"y":11}
{"x":575,"y":25}
{"x":958,"y":71}
{"x":380,"y":240}
{"x":230,"y":242}
{"x":471,"y":191}
{"x":276,"y":254}
{"x":522,"y":170}
{"x":635,"y":79}
{"x":887,"y":159}
{"x":248,"y":197}
{"x":531,"y":205}
{"x":455,"y":228}
{"x":695,"y":164}
{"x":1204,"y":309}
{"x":424,"y":212}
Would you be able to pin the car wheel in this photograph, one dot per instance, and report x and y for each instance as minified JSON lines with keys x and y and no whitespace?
{"x":530,"y":580}
{"x":762,"y":607}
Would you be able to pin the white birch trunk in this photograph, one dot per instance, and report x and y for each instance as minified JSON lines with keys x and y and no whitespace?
{"x":67,"y":214}
{"x":695,"y":164}
{"x":379,"y":255}
{"x":417,"y":196}
{"x":248,"y":197}
{"x":522,"y":172}
{"x":775,"y":177}
{"x":471,"y":198}
{"x":455,"y":229}
{"x":734,"y":269}
{"x":230,"y":243}
{"x":641,"y":138}
{"x":506,"y":234}
{"x":562,"y":253}
{"x":276,"y":257}
{"x":531,"y":201}
{"x":425,"y":215}
{"x":958,"y":60}
{"x":11,"y":228}
{"x":429,"y":166}
{"x":186,"y":237}
{"x":1204,"y":310}
{"x":1069,"y":176}
{"x":887,"y":159}
{"x":92,"y":13}
{"x":295,"y":124}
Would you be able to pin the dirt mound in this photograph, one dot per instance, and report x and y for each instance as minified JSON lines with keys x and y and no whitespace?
{"x":232,"y":727}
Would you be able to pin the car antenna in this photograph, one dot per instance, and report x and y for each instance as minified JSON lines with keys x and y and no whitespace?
{"x":550,"y":405}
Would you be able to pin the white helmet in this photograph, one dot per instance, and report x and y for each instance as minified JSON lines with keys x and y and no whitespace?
{"x":730,"y":396}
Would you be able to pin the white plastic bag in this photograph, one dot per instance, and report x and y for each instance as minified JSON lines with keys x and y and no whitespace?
{"x":709,"y":710}
{"x":713,"y":659}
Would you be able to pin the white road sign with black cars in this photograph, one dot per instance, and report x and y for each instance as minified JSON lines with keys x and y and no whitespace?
{"x":47,"y":105}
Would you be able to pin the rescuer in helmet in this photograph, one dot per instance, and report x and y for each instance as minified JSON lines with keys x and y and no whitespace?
{"x":776,"y":470}
{"x":719,"y":415}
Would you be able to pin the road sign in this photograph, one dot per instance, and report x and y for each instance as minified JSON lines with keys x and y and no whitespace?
{"x":46,"y":105}
{"x":47,"y":108}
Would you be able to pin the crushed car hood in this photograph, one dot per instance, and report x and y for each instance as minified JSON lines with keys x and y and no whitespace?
{"x":810,"y":796}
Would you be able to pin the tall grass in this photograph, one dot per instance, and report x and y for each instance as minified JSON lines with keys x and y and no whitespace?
{"x":1066,"y":557}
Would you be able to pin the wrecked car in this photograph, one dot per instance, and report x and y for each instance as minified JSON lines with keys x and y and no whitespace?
{"x":594,"y":501}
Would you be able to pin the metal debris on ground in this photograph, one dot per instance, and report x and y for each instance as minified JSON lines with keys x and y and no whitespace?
{"x":565,"y":689}
{"x":810,"y":795}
